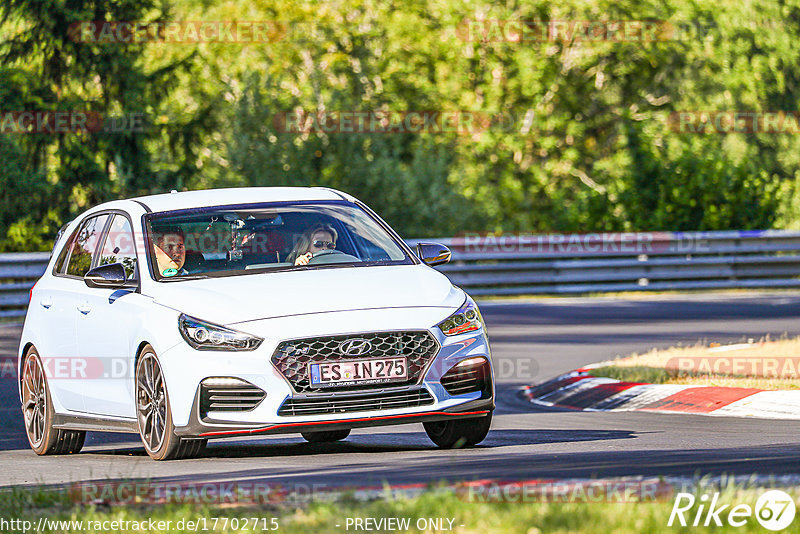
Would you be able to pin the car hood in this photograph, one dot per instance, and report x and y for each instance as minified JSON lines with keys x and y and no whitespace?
{"x":237,"y":299}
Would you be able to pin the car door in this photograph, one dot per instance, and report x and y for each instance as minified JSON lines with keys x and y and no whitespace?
{"x":60,"y":298}
{"x":105,"y":327}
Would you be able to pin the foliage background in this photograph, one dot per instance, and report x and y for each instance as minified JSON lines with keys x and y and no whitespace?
{"x":589,"y":150}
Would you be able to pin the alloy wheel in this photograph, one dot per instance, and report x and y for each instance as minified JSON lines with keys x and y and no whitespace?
{"x":34,"y":397}
{"x":151,"y":402}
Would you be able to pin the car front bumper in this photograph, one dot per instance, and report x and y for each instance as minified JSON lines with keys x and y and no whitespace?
{"x":186,"y":368}
{"x":206,"y":428}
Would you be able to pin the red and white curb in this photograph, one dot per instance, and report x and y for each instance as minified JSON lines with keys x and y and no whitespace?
{"x":579,"y":390}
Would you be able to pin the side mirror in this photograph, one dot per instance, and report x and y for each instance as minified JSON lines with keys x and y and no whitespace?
{"x":433,"y":253}
{"x":110,"y":276}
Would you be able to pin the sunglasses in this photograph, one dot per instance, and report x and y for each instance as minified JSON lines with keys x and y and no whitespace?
{"x":324,"y":244}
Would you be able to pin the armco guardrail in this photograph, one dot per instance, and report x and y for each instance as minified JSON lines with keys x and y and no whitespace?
{"x":636,"y":261}
{"x":563,"y":263}
{"x":18,"y":272}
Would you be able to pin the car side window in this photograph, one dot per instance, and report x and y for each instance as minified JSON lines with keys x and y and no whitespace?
{"x":119,"y":246}
{"x":85,"y":246}
{"x":62,"y":257}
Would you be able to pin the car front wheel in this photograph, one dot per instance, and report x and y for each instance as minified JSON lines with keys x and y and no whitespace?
{"x":37,"y":410}
{"x":154,"y":415}
{"x":458,"y":433}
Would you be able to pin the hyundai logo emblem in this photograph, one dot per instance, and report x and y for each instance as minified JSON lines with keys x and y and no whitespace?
{"x":355,"y":347}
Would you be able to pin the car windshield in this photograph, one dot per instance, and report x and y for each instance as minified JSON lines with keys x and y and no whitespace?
{"x":235,"y":240}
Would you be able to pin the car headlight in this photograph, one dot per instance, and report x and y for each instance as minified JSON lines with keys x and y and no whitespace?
{"x":202,"y":335}
{"x":466,"y":319}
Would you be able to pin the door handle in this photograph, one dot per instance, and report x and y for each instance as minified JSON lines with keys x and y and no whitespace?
{"x":46,"y":302}
{"x":84,"y":308}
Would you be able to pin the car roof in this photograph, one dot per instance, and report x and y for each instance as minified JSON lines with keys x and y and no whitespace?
{"x":237,"y":195}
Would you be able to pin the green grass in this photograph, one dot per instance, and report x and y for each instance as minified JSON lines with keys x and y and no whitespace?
{"x":658,"y":375}
{"x":477,"y":517}
{"x":648,"y":375}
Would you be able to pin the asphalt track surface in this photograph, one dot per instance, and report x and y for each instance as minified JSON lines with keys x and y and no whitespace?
{"x":532,"y":341}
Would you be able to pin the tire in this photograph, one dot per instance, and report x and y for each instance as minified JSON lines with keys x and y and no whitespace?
{"x":458,"y":433}
{"x":154,"y":415}
{"x":326,"y":435}
{"x":38,"y":412}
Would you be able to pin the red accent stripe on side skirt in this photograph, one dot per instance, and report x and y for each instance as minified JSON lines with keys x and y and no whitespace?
{"x":316,"y":423}
{"x":700,"y":400}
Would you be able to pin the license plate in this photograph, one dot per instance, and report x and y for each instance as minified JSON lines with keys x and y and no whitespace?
{"x":351,"y":372}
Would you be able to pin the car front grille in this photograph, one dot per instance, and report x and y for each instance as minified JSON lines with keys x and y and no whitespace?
{"x":355,"y":402}
{"x":467,"y":379}
{"x":292,"y":357}
{"x":229,"y":395}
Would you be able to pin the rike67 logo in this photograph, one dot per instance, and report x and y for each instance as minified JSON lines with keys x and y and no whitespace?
{"x":774,"y":510}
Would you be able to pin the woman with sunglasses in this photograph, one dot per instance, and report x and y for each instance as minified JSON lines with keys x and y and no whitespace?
{"x":313,"y":240}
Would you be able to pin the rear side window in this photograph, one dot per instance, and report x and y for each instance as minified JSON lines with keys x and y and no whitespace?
{"x":84,"y":247}
{"x":62,"y":257}
{"x":58,"y":238}
{"x":119,"y":246}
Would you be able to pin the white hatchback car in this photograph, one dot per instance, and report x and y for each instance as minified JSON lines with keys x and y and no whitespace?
{"x":241,"y":312}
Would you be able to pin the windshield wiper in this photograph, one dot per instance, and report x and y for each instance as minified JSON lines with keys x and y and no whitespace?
{"x":185,"y":277}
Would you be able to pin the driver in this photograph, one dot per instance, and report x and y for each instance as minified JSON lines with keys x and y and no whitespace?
{"x":313,"y":240}
{"x":170,"y":251}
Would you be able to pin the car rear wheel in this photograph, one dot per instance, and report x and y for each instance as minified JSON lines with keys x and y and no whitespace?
{"x":326,"y":436}
{"x":37,"y":409}
{"x":154,"y":415}
{"x":458,"y":433}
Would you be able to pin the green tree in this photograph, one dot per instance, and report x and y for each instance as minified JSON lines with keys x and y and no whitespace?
{"x":117,"y":80}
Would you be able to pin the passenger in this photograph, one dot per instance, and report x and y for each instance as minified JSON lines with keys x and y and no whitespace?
{"x":313,"y":240}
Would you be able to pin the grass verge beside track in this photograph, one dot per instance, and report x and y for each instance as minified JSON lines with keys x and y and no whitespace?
{"x":768,"y":365}
{"x":468,"y":514}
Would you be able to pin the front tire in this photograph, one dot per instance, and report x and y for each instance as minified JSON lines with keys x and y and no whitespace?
{"x":38,"y":412}
{"x":459,"y":433}
{"x":326,"y":436}
{"x":154,"y":415}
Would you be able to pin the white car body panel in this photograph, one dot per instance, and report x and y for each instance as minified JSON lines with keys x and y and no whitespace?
{"x":267,"y":295}
{"x":55,"y":304}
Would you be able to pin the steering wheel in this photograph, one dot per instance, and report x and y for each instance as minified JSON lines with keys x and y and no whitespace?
{"x":331,"y":255}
